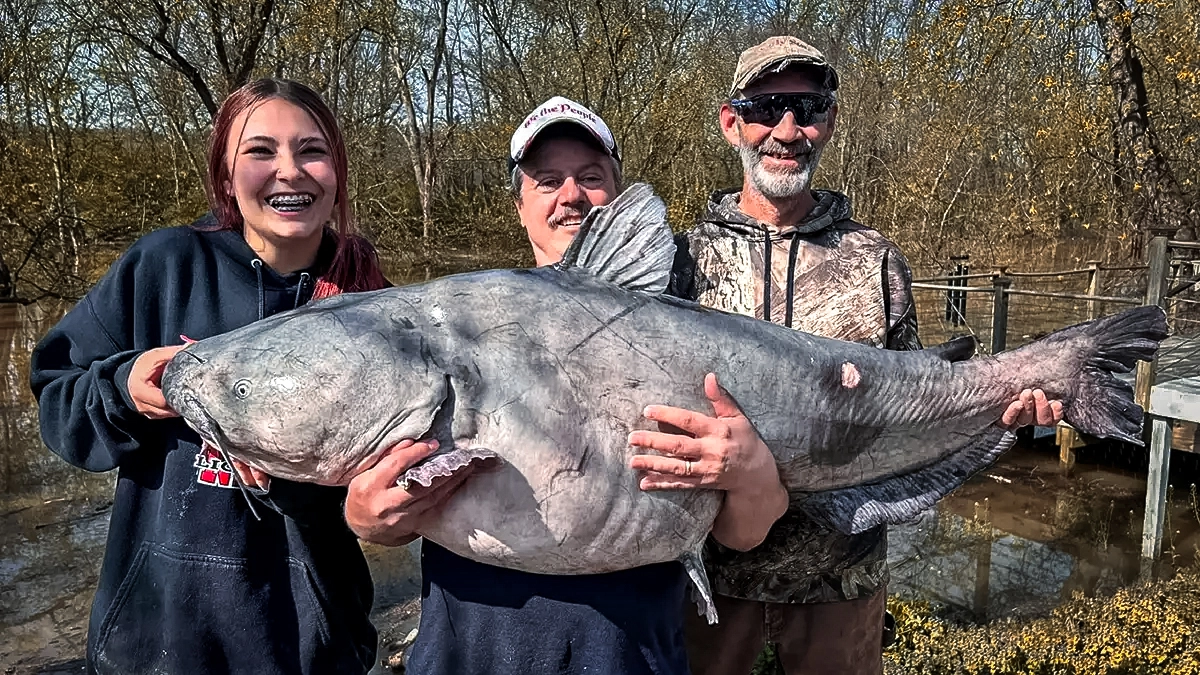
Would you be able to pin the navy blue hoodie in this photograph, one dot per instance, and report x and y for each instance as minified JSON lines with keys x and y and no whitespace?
{"x":192,"y":581}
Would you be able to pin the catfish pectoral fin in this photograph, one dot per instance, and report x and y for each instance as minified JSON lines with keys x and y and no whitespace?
{"x":443,"y":464}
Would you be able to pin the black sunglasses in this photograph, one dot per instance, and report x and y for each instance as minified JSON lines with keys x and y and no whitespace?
{"x":769,"y":109}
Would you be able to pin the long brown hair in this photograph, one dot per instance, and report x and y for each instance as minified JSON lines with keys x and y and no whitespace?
{"x":355,"y":264}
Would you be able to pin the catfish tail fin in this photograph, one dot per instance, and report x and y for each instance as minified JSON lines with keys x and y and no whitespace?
{"x":1098,"y":403}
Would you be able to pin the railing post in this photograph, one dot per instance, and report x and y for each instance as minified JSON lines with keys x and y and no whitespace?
{"x":1156,"y":428}
{"x":1065,"y":434}
{"x":1159,"y":260}
{"x":1156,"y":486}
{"x":1000,"y":286}
{"x":1093,"y":289}
{"x":956,"y":301}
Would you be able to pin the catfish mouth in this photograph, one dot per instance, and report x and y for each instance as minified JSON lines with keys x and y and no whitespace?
{"x":189,"y":407}
{"x":183,"y":400}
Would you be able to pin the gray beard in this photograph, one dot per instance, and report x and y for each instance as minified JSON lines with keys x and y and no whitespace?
{"x":779,"y":184}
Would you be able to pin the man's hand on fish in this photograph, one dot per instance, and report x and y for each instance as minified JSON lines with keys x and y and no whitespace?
{"x":380,"y":511}
{"x":145,"y":380}
{"x":1031,"y":407}
{"x":723,"y":452}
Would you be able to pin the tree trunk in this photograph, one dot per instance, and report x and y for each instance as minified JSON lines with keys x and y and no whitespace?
{"x":1142,"y":171}
{"x":7,"y":290}
{"x":419,"y":131}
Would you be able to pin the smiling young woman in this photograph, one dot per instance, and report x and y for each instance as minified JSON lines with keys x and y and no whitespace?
{"x":277,"y":172}
{"x":284,"y":181}
{"x":199,"y":575}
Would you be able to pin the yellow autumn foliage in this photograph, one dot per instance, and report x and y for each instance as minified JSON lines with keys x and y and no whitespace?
{"x":1151,"y":628}
{"x":962,"y":126}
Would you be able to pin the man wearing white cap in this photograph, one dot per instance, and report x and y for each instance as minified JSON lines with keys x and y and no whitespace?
{"x":481,"y":619}
{"x":563,"y":161}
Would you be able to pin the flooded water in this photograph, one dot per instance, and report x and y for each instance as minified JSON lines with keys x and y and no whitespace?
{"x":1015,"y":541}
{"x":1022,"y":536}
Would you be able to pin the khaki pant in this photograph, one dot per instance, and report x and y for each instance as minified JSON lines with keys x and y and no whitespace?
{"x":824,"y":638}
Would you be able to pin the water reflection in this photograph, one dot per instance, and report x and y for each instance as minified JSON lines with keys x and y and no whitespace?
{"x":53,"y":517}
{"x":27,"y":471}
{"x":1021,"y":537}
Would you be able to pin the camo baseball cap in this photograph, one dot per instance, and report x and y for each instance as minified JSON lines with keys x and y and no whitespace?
{"x":776,"y":54}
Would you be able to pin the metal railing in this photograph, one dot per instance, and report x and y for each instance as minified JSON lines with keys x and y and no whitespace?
{"x":1089,"y":293}
{"x":1034,"y":303}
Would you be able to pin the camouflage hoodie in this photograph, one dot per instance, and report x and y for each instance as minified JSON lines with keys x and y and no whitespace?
{"x":830,"y":276}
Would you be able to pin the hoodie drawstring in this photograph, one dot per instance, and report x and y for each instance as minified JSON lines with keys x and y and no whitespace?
{"x":262,"y":293}
{"x":791,"y":279}
{"x":789,"y":299}
{"x":767,"y":276}
{"x":300,"y":289}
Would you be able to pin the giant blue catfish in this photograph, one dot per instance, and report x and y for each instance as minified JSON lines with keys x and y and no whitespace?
{"x":549,"y":370}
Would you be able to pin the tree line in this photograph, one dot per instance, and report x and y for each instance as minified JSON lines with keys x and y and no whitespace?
{"x":962,"y":123}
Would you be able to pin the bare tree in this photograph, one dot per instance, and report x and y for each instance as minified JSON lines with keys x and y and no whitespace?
{"x":418,"y":66}
{"x":170,"y":34}
{"x":1142,"y":170}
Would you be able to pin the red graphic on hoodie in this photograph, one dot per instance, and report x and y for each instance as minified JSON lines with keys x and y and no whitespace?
{"x":213,"y":469}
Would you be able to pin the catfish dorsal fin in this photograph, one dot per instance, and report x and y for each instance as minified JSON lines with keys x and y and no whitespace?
{"x":956,"y":349}
{"x":626,"y":242}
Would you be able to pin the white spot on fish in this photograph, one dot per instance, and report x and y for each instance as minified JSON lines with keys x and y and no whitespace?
{"x":485,"y":544}
{"x":285,"y":384}
{"x":850,"y":375}
{"x":437,"y":314}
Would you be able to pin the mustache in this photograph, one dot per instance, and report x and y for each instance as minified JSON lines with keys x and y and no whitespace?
{"x":559,"y":219}
{"x":770,"y":146}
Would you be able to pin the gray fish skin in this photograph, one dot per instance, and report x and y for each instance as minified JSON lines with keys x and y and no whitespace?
{"x":550,"y":369}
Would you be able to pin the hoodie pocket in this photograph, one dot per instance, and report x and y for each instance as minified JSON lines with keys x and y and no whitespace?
{"x":193,"y":613}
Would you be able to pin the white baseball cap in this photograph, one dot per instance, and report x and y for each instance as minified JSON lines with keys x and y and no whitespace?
{"x":553,"y":111}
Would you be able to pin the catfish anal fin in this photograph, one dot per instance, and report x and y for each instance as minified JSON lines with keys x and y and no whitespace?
{"x":701,"y":590}
{"x":901,"y":498}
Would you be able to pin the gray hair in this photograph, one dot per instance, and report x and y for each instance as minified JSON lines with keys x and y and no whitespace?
{"x":515,"y":178}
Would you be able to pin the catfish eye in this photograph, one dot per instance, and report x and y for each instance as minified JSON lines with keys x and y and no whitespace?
{"x":241,"y":388}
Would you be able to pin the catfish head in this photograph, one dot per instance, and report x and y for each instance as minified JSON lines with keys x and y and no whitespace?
{"x":315,"y":394}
